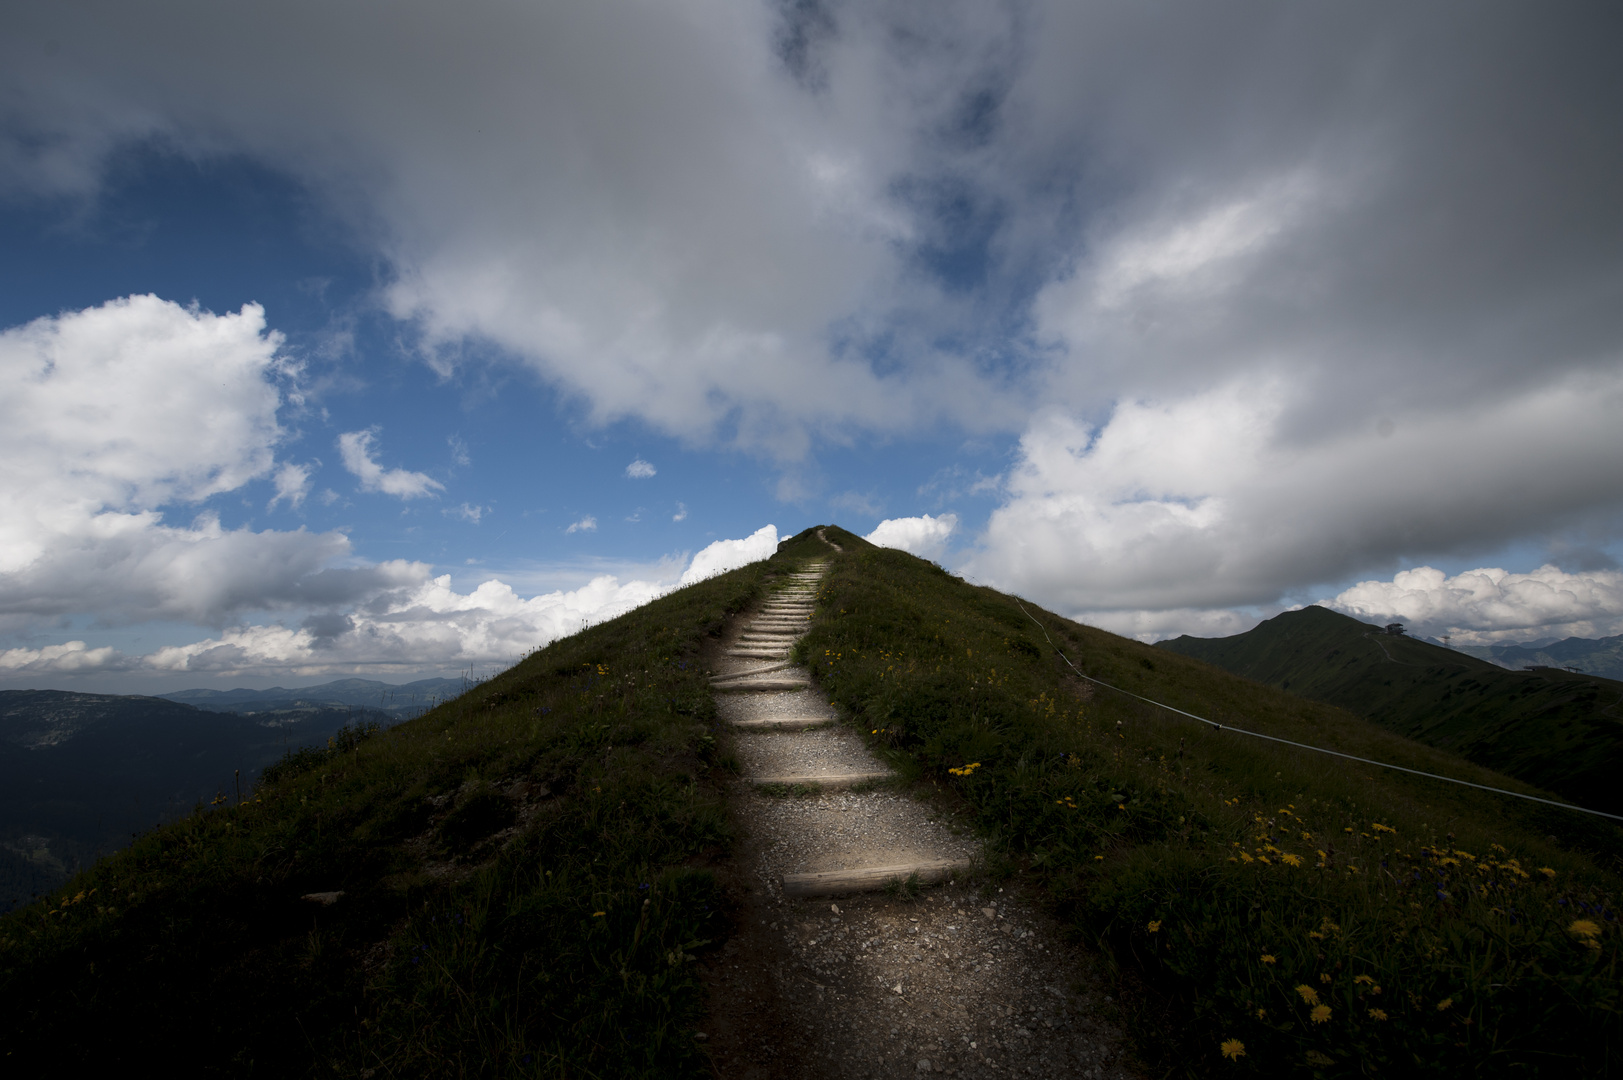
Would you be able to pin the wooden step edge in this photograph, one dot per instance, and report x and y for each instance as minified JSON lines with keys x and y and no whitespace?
{"x":825,"y":781}
{"x":871,"y":878}
{"x":795,"y":723}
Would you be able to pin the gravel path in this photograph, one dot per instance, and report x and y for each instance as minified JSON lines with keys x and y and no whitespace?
{"x":960,"y":979}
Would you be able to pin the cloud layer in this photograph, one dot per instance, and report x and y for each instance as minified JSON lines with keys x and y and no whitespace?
{"x":924,"y":536}
{"x":409,"y":622}
{"x":1220,"y":500}
{"x":1487,"y":605}
{"x":1302,"y":292}
{"x":111,"y":414}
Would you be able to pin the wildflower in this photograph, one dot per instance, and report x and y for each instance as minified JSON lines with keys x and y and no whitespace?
{"x":1262,"y":1014}
{"x":1310,"y":996}
{"x":1155,"y":925}
{"x":1290,"y":860}
{"x":1320,"y":1014}
{"x":1378,"y":827}
{"x":1246,"y":858}
{"x":598,"y":914}
{"x":1546,"y":871}
{"x":1363,"y":980}
{"x":1324,"y":976}
{"x":1377,"y":1014}
{"x":1445,"y":1004}
{"x":1233,"y":1049}
{"x":1269,"y":958}
{"x":1584,"y":928}
{"x":1307,"y":835}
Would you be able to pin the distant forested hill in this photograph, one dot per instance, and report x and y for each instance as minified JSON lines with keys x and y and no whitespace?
{"x":1559,"y":730}
{"x":1593,"y":656}
{"x":79,"y":773}
{"x":402,"y":702}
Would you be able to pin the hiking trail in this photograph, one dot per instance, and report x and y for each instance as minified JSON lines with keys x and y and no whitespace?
{"x":842,"y":966}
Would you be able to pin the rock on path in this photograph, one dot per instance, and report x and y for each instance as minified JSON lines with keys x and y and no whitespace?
{"x":826,"y":977}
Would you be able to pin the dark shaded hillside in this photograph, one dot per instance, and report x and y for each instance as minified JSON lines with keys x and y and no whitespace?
{"x":512,"y":882}
{"x":1559,"y":730}
{"x":519,"y":880}
{"x":79,"y":773}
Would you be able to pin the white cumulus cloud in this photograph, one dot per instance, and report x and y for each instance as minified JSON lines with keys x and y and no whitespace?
{"x":725,"y":555}
{"x":640,"y":470}
{"x":924,"y":536}
{"x":292,"y":484}
{"x":1232,"y":498}
{"x":1489,"y":604}
{"x":409,"y":622}
{"x":356,"y":447}
{"x":114,"y":417}
{"x":585,"y":524}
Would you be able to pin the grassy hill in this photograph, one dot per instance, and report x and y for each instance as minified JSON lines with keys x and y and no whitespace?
{"x":524,"y":868}
{"x":1556,"y":729}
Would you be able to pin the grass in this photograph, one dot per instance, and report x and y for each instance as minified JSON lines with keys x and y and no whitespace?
{"x":523,"y":877}
{"x":524,"y":868}
{"x":1557,"y":729}
{"x":1272,"y":911}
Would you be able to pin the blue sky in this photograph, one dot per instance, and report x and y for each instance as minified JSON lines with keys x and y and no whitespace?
{"x":1166,"y":323}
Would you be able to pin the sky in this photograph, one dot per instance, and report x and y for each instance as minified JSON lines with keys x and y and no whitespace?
{"x":396,"y":340}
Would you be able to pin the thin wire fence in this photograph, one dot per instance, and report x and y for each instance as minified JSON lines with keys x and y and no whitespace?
{"x":1304,"y":746}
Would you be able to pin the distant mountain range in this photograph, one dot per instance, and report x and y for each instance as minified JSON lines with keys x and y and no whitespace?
{"x":1560,"y":730}
{"x":80,"y":773}
{"x":1593,"y":656}
{"x":400,"y":701}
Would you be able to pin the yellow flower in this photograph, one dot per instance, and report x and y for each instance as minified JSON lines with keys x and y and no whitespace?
{"x":598,"y":914}
{"x":1310,"y":996}
{"x":1586,"y":928}
{"x":1262,"y":1014}
{"x":1364,"y":979}
{"x":1269,"y":958}
{"x":1445,"y":1004}
{"x":1155,"y":925}
{"x":1290,"y":860}
{"x":1324,"y":976}
{"x":1320,"y":1014}
{"x":1377,"y":1014}
{"x":1233,"y":1049}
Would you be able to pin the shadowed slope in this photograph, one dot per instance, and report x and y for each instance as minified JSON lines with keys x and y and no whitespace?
{"x":1559,"y":730}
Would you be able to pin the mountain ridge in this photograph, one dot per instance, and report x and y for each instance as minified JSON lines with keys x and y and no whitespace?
{"x":1560,"y":730}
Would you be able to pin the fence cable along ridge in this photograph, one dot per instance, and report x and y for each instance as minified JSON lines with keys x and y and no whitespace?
{"x":1303,"y":746}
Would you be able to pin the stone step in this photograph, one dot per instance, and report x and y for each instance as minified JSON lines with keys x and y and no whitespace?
{"x":763,"y":669}
{"x":769,"y":684}
{"x":870,"y":878}
{"x":783,"y":723}
{"x":762,"y":653}
{"x":826,"y":781}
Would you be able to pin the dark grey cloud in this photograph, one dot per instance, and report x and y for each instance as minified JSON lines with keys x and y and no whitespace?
{"x":1288,"y":228}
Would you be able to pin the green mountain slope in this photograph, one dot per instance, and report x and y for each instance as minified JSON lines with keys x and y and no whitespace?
{"x":1556,"y":729}
{"x":524,"y":873}
{"x":1595,"y":656}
